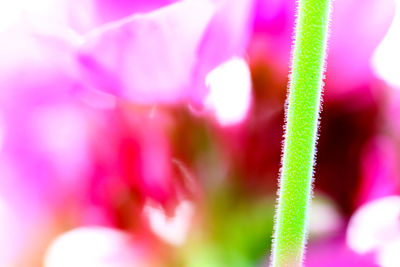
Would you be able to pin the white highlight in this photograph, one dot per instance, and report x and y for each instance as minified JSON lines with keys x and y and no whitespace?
{"x":324,"y":218}
{"x":230,"y":91}
{"x":386,"y":58}
{"x":374,"y":225}
{"x":388,"y":256}
{"x":54,"y":17}
{"x":10,"y":12}
{"x":91,"y":247}
{"x":170,"y":229}
{"x":15,"y":10}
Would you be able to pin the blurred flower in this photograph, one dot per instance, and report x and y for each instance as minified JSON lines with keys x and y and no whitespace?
{"x":38,"y":122}
{"x":95,"y":130}
{"x":65,"y":147}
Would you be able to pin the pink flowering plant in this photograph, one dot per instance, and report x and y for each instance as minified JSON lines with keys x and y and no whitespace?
{"x":148,"y":133}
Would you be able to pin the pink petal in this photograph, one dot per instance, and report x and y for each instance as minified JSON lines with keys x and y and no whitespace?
{"x":165,"y":55}
{"x":148,"y":58}
{"x":379,"y":170}
{"x":357,"y":28}
{"x":111,"y":10}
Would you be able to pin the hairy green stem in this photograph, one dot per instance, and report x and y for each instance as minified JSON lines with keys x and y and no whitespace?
{"x":302,"y":117}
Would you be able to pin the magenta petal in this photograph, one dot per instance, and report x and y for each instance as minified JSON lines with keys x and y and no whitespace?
{"x":227,"y":37}
{"x":335,"y":253}
{"x":109,"y":10}
{"x":165,"y":55}
{"x":357,"y":28}
{"x":148,"y":58}
{"x":379,"y":170}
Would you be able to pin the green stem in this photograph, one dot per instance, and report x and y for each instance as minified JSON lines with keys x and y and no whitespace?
{"x":302,"y":117}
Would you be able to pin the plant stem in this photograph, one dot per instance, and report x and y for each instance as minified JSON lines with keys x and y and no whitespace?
{"x":302,"y":117}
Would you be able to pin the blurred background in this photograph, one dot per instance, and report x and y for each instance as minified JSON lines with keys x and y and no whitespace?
{"x":149,"y":133}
